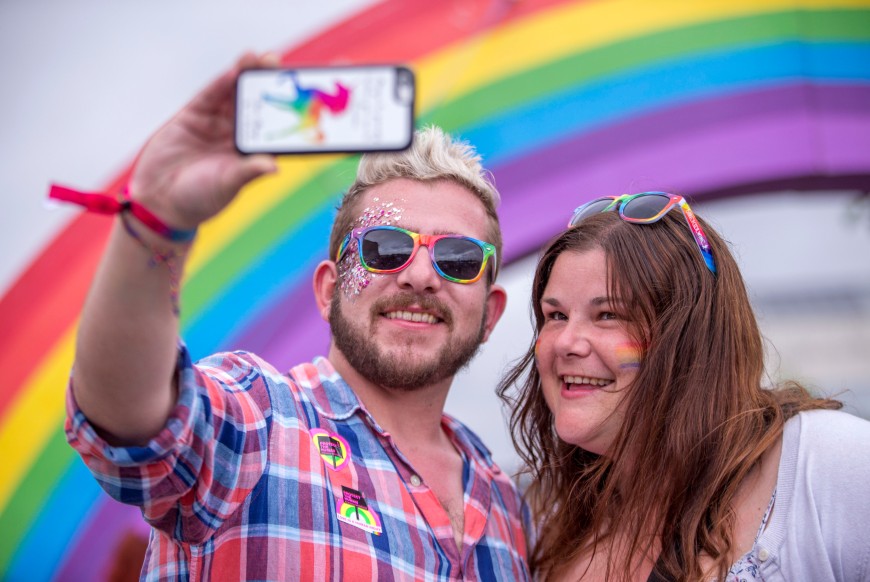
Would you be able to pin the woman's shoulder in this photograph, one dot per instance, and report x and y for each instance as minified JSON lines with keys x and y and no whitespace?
{"x":821,"y":509}
{"x":832,"y":432}
{"x":826,"y":447}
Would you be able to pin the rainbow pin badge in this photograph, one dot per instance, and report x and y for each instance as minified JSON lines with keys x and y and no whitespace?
{"x":333,"y":449}
{"x":355,"y":511}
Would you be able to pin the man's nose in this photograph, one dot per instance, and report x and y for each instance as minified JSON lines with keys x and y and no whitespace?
{"x":420,"y":275}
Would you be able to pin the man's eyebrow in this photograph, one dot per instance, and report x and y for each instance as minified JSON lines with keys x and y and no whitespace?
{"x":414,"y":228}
{"x":446,"y":231}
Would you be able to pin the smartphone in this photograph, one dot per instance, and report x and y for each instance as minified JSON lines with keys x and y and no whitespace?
{"x":342,"y":109}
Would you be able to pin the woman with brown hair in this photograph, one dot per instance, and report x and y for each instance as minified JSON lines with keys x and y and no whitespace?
{"x":654,"y":451}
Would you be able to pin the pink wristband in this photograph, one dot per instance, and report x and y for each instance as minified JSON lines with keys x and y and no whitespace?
{"x":105,"y":204}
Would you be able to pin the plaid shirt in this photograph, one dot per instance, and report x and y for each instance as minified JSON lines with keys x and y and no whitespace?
{"x":259,"y":475}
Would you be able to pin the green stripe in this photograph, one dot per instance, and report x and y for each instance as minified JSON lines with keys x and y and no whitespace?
{"x":588,"y":66}
{"x":29,"y":497}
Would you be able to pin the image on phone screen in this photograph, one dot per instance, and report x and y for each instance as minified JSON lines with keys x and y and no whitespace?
{"x":328,"y":109}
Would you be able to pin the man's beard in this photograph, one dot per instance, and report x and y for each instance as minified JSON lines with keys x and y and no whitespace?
{"x":400,"y":370}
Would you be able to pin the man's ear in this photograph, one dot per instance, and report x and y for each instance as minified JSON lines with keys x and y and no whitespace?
{"x":496,"y":302}
{"x":324,"y":281}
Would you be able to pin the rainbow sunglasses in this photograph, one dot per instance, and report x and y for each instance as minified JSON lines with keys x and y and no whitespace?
{"x":389,"y":249}
{"x":647,"y":208}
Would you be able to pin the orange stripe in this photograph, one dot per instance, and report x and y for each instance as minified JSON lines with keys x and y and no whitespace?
{"x":45,"y":301}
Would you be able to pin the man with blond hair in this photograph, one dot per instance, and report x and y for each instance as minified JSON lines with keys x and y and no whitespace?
{"x":342,"y":468}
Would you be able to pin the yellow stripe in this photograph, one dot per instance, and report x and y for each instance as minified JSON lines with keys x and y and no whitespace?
{"x":573,"y":28}
{"x":451,"y":72}
{"x":36,"y":412}
{"x":251,"y":204}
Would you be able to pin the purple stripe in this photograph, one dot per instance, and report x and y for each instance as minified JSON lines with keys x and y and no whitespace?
{"x":289,"y":332}
{"x":93,"y":552}
{"x":798,"y":132}
{"x":696,"y":117}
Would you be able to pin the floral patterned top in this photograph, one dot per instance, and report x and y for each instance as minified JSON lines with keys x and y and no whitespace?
{"x":746,"y":569}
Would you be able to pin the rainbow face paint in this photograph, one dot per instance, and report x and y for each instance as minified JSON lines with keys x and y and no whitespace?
{"x":629,"y":355}
{"x":353,"y":277}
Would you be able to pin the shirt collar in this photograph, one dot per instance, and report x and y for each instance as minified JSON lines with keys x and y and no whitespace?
{"x":335,"y":399}
{"x":468,"y":442}
{"x":326,"y":389}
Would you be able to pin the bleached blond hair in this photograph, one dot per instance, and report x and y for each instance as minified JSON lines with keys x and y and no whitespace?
{"x":434,"y":155}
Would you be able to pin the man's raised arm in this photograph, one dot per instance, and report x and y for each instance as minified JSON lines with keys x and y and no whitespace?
{"x":124,"y":377}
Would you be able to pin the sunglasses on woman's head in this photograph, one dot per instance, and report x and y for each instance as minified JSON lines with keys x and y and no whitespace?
{"x":389,"y":249}
{"x":646,"y":208}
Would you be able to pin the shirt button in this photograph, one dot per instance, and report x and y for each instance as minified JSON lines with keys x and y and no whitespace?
{"x":763,"y":554}
{"x":416,"y":481}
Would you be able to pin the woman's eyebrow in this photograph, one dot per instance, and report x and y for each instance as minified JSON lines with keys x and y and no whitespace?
{"x":551,"y":301}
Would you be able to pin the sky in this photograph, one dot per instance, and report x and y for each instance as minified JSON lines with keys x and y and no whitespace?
{"x":86,"y":82}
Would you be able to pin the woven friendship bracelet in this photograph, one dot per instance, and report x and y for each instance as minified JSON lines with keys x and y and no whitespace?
{"x":106,"y":204}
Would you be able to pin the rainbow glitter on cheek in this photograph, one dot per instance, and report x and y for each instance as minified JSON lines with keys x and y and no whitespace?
{"x":352,"y":275}
{"x":628,"y":355}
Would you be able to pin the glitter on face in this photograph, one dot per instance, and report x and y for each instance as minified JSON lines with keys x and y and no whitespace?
{"x":351,"y":274}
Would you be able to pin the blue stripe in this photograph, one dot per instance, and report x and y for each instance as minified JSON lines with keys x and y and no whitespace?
{"x":263,"y":283}
{"x":55,"y":528}
{"x":584,"y":108}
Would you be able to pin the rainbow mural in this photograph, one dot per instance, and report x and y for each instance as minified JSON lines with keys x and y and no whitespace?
{"x":566,"y":100}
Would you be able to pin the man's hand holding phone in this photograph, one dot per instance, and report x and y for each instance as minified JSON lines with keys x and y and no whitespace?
{"x":227,"y":135}
{"x":189,"y":170}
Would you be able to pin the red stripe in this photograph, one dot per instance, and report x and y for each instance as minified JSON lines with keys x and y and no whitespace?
{"x":45,"y":301}
{"x":47,"y":298}
{"x":404,"y":30}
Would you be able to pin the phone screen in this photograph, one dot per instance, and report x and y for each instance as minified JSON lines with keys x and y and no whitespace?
{"x":329,"y":109}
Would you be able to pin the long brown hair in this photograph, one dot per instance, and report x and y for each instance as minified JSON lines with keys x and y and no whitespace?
{"x":696,"y":416}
